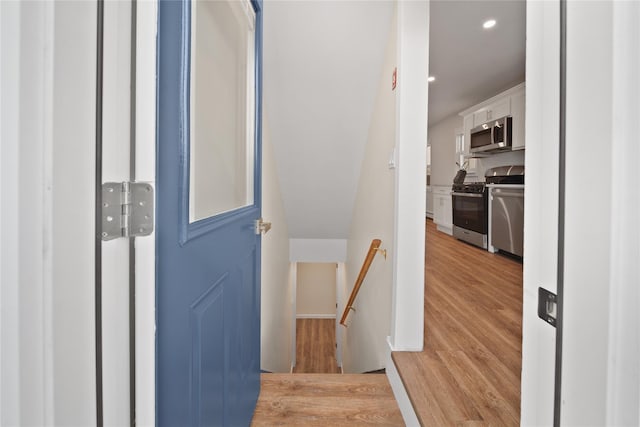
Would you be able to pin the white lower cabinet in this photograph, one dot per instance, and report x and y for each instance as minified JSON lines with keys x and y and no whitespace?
{"x":429,"y":209}
{"x":442,"y":211}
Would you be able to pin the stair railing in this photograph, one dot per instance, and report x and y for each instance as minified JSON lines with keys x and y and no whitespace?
{"x":375,"y":247}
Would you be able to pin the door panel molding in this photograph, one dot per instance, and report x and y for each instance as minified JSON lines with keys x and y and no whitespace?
{"x":203,"y":351}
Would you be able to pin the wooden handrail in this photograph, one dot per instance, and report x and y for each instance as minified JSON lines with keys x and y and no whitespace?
{"x":375,"y":244}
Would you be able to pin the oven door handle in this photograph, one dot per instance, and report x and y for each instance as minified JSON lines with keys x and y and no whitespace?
{"x":476,"y":195}
{"x":505,"y":194}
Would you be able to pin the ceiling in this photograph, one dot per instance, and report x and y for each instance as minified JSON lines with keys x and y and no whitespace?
{"x":470,"y":63}
{"x":322,"y":67}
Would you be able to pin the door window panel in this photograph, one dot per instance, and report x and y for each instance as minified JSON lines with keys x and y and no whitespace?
{"x":222,"y":107}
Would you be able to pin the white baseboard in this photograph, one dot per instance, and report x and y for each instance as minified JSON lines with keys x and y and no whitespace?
{"x":315,"y":316}
{"x":445,"y":229}
{"x":400,"y":393}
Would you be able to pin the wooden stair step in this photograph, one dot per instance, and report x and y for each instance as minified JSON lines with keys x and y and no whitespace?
{"x":326,"y":400}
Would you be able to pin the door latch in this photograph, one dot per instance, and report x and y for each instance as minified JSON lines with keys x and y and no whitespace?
{"x":262,"y":226}
{"x":547,"y":306}
{"x":127,"y":209}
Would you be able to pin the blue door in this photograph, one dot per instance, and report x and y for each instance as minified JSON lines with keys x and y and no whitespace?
{"x":208,"y":201}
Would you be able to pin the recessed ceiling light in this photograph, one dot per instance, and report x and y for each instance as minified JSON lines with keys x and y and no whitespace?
{"x":489,"y":24}
{"x":431,"y":79}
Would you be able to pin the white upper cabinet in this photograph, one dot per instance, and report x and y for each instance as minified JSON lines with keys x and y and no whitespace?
{"x":517,"y":115}
{"x":479,"y":118}
{"x":496,"y":110}
{"x":467,"y":123}
{"x":507,"y":103}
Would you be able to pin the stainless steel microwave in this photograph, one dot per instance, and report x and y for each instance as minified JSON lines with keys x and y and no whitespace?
{"x":494,"y":135}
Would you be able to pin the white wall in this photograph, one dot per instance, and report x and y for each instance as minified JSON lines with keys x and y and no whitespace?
{"x":322,"y":63}
{"x":316,"y":291}
{"x":73,"y":232}
{"x":318,"y":250}
{"x":276,"y":305}
{"x":499,"y":159}
{"x":373,"y":214}
{"x":442,"y":137}
{"x":412,"y":56}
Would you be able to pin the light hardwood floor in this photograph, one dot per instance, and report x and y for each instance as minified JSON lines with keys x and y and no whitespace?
{"x":315,"y":346}
{"x":469,"y":371}
{"x":468,"y":374}
{"x":326,"y":400}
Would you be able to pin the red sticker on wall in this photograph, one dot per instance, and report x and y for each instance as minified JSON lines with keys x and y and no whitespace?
{"x":394,"y":78}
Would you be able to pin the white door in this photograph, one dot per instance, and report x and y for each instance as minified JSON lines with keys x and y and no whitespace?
{"x":601,"y":327}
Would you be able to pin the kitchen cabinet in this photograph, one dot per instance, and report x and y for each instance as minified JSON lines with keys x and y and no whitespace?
{"x":517,"y":114}
{"x":498,"y":109}
{"x":508,"y":103}
{"x":467,"y":123}
{"x":442,"y":209}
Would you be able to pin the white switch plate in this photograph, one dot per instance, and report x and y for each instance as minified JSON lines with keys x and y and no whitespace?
{"x":392,"y":159}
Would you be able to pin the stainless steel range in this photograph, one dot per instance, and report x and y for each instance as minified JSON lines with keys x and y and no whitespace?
{"x":470,"y":213}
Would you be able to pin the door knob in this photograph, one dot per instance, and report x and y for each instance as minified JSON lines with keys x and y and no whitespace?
{"x":262,"y":226}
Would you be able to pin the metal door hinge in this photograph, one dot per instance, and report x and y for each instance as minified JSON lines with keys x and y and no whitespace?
{"x":127,"y":209}
{"x":262,"y":226}
{"x":547,"y":306}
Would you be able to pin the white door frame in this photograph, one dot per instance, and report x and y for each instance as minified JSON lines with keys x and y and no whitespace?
{"x":294,"y":298}
{"x":541,"y":208}
{"x":600,"y":346}
{"x":47,"y":198}
{"x":114,"y":254}
{"x":47,"y":216}
{"x":407,"y":306}
{"x":117,"y":146}
{"x":147,"y":13}
{"x":341,"y":288}
{"x":601,"y":329}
